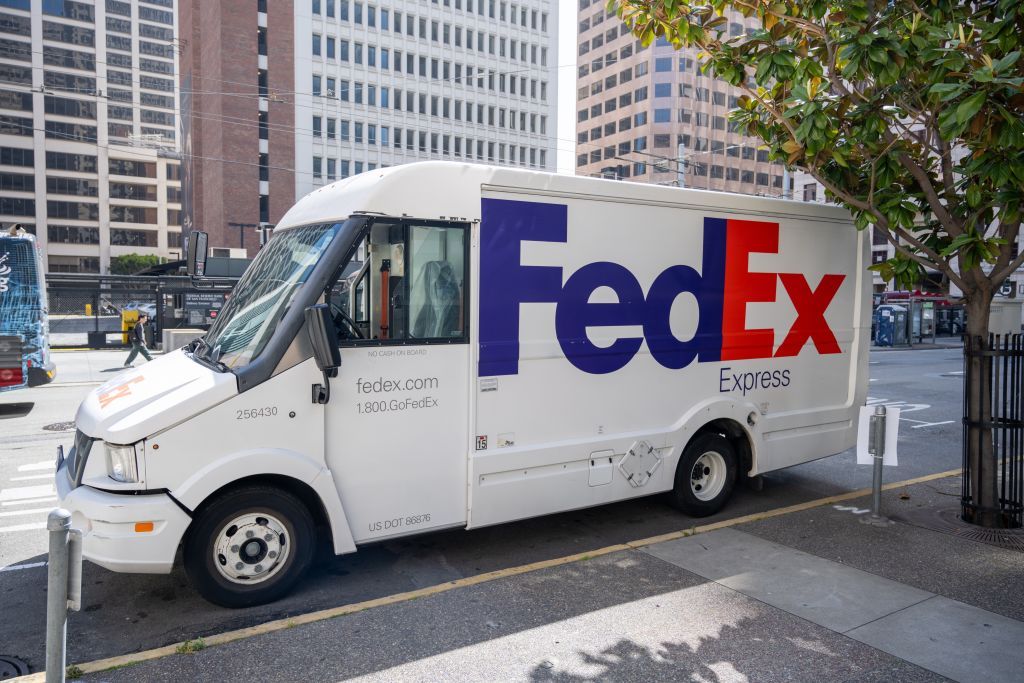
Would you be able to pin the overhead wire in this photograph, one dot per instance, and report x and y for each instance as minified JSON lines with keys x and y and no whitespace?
{"x":271,"y":93}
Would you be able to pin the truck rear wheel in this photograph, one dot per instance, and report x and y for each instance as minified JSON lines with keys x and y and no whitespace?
{"x":705,"y":476}
{"x":249,"y":546}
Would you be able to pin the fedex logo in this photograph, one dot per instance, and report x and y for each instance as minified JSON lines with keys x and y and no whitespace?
{"x":723,"y":288}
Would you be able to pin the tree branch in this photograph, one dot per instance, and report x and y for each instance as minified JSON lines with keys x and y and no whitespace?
{"x":806,"y":24}
{"x":946,"y":163}
{"x":931,"y":258}
{"x":949,"y":222}
{"x":1001,"y":270}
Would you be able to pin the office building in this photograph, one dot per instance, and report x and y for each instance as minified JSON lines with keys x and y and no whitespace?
{"x":88,"y":128}
{"x":280,"y":98}
{"x":650,"y":114}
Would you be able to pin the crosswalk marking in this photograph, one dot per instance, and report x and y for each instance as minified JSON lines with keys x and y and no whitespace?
{"x":18,"y":567}
{"x":23,"y":492}
{"x":36,"y":466}
{"x":32,"y":476}
{"x":29,"y":501}
{"x":22,"y":527}
{"x":20,"y":513}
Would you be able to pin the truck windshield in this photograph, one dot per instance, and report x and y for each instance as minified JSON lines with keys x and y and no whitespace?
{"x":264,"y":293}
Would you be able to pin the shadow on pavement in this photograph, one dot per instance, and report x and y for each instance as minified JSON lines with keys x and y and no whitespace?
{"x":11,"y":410}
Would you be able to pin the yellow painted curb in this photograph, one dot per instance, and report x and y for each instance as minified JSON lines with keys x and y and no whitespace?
{"x":320,"y":615}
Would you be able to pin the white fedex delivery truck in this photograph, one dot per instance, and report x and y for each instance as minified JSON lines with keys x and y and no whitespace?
{"x":446,"y":345}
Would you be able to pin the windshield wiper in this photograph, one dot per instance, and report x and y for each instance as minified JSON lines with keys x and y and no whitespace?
{"x":198,"y":347}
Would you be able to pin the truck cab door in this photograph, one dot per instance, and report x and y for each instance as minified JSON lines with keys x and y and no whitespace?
{"x":397,"y":422}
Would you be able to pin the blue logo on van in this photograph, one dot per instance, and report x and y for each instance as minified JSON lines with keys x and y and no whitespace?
{"x":722,"y":288}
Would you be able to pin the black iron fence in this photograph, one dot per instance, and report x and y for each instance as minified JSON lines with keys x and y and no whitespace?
{"x":91,"y":311}
{"x":994,"y":441}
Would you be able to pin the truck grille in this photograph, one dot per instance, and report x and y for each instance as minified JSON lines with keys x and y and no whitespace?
{"x":77,"y":457}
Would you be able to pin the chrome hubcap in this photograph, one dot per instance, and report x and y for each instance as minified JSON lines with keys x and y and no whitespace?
{"x":251,"y":548}
{"x":707,"y":478}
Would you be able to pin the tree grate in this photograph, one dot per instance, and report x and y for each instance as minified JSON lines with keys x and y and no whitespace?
{"x":11,"y":667}
{"x":947,"y":521}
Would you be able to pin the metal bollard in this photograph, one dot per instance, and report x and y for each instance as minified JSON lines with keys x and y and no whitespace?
{"x":63,"y":589}
{"x":876,"y":447}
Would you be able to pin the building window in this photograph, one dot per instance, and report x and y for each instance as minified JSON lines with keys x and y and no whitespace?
{"x":133,"y":238}
{"x":317,"y":167}
{"x":811,"y":195}
{"x":133,"y":214}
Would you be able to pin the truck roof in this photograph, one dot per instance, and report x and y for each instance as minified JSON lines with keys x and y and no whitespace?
{"x":449,"y":190}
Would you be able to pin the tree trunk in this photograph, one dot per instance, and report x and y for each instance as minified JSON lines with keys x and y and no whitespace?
{"x":978,"y":430}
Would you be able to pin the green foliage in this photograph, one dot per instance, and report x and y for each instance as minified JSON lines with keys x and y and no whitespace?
{"x":129,"y":264}
{"x":190,"y":646}
{"x":910,"y":113}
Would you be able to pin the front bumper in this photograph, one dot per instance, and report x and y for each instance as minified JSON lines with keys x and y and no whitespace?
{"x":41,"y":375}
{"x":107,"y":522}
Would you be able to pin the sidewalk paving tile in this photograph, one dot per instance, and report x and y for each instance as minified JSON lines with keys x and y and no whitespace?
{"x":975,"y":573}
{"x":622,"y":617}
{"x":955,"y":640}
{"x":824,"y":592}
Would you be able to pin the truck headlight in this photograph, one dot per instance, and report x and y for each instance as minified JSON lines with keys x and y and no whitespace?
{"x":123,"y":462}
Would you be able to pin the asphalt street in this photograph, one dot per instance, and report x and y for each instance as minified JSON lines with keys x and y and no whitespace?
{"x":127,"y":613}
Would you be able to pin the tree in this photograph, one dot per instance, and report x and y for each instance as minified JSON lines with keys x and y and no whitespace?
{"x":130,"y":264}
{"x":910,"y":114}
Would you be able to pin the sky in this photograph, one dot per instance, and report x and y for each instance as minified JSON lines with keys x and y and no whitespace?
{"x":566,"y":128}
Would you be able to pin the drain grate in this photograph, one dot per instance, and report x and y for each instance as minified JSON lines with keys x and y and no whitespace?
{"x":60,"y":426}
{"x":947,"y":521}
{"x":11,"y":667}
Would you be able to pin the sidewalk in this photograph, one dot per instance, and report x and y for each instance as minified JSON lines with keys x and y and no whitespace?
{"x":938,"y":343}
{"x":808,"y":596}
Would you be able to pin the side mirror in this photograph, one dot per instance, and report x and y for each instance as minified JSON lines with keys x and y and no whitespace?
{"x":196,"y":259}
{"x":323,"y":337}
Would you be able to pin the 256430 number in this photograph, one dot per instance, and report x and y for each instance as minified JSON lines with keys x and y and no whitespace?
{"x":255,"y":413}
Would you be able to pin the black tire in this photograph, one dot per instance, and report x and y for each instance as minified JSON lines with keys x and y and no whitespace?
{"x":288,"y":525}
{"x":695,"y":503}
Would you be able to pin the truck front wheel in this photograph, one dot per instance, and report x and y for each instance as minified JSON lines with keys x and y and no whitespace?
{"x":249,"y":546}
{"x":705,"y":476}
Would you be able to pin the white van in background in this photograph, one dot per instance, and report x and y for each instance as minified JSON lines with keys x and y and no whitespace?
{"x":444,"y":345}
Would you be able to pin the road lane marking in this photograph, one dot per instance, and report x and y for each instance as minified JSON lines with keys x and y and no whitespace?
{"x":28,"y":501}
{"x":851,"y":508}
{"x":19,"y":567}
{"x":33,"y":476}
{"x":906,"y":408}
{"x":19,"y":513}
{"x":332,"y":612}
{"x":929,"y":424}
{"x":45,"y":465}
{"x":22,"y":527}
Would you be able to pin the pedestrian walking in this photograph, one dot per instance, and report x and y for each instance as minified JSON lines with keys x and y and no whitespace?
{"x":138,"y":340}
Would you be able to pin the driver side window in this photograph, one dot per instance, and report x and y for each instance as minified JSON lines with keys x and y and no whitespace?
{"x":405,"y":282}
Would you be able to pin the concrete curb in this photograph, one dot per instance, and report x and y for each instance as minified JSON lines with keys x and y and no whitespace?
{"x":330,"y":613}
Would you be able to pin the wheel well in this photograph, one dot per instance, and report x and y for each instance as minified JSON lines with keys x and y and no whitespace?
{"x":736,"y":435}
{"x":304,"y":492}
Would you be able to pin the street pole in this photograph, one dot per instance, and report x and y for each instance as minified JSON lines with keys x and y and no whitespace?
{"x":63,"y":589}
{"x":681,"y":165}
{"x":876,"y":447}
